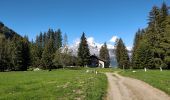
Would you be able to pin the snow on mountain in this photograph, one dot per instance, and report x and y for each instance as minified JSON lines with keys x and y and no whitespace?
{"x":95,"y":48}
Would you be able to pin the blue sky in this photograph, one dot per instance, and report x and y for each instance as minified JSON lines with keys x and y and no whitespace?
{"x":100,"y":19}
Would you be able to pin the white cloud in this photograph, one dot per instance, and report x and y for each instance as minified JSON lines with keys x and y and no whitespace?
{"x":129,"y":48}
{"x":113,"y":39}
{"x":93,"y":46}
{"x":91,"y":41}
{"x":76,"y":42}
{"x":110,"y":46}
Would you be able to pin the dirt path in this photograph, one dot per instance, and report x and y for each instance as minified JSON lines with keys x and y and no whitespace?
{"x":123,"y":88}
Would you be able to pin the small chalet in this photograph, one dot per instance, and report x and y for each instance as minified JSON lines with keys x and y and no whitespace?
{"x":96,"y":62}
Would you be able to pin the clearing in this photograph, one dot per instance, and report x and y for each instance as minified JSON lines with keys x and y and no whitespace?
{"x":54,"y":85}
{"x":124,"y":88}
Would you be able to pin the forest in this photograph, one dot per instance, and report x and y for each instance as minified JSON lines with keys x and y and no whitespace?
{"x":151,"y":47}
{"x":48,"y":51}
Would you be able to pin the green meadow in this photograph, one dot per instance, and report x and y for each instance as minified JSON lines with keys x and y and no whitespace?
{"x":156,"y":78}
{"x":69,"y":84}
{"x":54,"y":85}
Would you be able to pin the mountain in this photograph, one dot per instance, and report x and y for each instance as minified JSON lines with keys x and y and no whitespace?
{"x":94,"y":49}
{"x":9,"y":33}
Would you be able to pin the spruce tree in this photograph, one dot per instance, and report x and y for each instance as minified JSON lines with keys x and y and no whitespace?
{"x":143,"y":56}
{"x":83,"y":52}
{"x":104,"y":55}
{"x":18,"y":54}
{"x":26,"y":53}
{"x":155,"y":35}
{"x":137,"y":40}
{"x":58,"y":39}
{"x":166,"y":43}
{"x":152,"y":50}
{"x":122,"y":56}
{"x":36,"y":55}
{"x":164,"y":11}
{"x":3,"y":53}
{"x":48,"y":55}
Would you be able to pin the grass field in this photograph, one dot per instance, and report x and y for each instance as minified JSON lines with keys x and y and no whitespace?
{"x":103,"y":70}
{"x":54,"y":85}
{"x":160,"y":80}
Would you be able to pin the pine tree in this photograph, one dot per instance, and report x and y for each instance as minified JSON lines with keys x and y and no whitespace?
{"x":122,"y":56}
{"x":26,"y":53}
{"x":137,"y":40}
{"x":104,"y":54}
{"x":37,"y":50}
{"x":44,"y":39}
{"x":48,"y":55}
{"x":83,"y":52}
{"x":58,"y":39}
{"x":155,"y":35}
{"x":143,"y":56}
{"x":166,"y":43}
{"x":17,"y":54}
{"x":164,"y":11}
{"x":152,"y":50}
{"x":3,"y":53}
{"x":36,"y":55}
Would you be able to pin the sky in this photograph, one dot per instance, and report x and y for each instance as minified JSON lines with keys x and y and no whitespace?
{"x":101,"y":20}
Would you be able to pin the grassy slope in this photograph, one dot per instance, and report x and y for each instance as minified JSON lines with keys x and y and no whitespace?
{"x":58,"y":84}
{"x":160,"y":80}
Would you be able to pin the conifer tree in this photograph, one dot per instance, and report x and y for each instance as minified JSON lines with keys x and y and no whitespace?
{"x":152,"y":50}
{"x":143,"y":56}
{"x":122,"y":56}
{"x":58,"y":39}
{"x":3,"y":53}
{"x":37,"y":50}
{"x":155,"y":35}
{"x":26,"y":53}
{"x":137,"y":40}
{"x":104,"y":54}
{"x":18,"y":54}
{"x":83,"y":52}
{"x":48,"y":55}
{"x":166,"y":43}
{"x":36,"y":55}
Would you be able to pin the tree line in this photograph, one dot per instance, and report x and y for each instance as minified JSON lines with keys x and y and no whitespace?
{"x":50,"y":50}
{"x":151,"y":47}
{"x":14,"y":53}
{"x":17,"y":53}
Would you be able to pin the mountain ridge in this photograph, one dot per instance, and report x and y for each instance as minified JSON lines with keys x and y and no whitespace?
{"x":9,"y":33}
